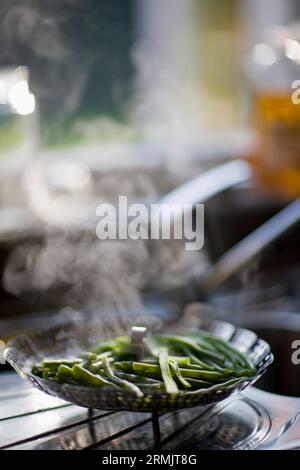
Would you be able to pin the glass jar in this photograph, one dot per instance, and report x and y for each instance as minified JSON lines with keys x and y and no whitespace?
{"x":276,"y":112}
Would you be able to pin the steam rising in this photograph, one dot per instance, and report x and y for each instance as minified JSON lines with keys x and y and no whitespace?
{"x":83,"y":270}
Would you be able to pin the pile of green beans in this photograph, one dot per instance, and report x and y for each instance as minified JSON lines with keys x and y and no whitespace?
{"x":170,"y":363}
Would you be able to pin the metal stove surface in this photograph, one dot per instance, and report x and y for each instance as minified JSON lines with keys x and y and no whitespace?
{"x":251,"y":420}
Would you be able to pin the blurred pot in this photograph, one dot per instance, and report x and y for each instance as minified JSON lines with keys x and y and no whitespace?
{"x":280,"y":330}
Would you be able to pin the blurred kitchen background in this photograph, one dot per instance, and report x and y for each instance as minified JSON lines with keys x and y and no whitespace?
{"x":101,"y":98}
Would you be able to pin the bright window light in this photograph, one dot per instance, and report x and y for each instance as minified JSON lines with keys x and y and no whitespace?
{"x":20,"y":98}
{"x":264,"y":54}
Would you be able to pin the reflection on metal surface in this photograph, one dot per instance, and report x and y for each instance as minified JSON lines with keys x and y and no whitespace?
{"x":142,"y":437}
{"x":87,"y":434}
{"x":235,"y":424}
{"x":288,"y":435}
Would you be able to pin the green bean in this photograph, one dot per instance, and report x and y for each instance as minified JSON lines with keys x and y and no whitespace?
{"x":231,"y":352}
{"x":154,"y":370}
{"x":87,"y":377}
{"x":201,"y":374}
{"x":200,"y":336}
{"x":226,"y":384}
{"x":196,"y":383}
{"x":197,"y":367}
{"x":126,"y":366}
{"x":142,"y":368}
{"x":225,"y":348}
{"x":48,"y":373}
{"x":216,"y":369}
{"x":137,"y":378}
{"x":120,"y":382}
{"x":178,"y":376}
{"x":151,"y":346}
{"x":37,"y":370}
{"x":197,"y":361}
{"x":230,"y":355}
{"x":64,"y":374}
{"x":53,"y":364}
{"x":112,"y":345}
{"x":171,"y":340}
{"x":198,"y":341}
{"x":95,"y":366}
{"x":242,"y":372}
{"x":180,"y":360}
{"x":170,"y":384}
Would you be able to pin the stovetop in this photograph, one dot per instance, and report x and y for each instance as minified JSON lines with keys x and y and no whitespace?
{"x":254,"y":419}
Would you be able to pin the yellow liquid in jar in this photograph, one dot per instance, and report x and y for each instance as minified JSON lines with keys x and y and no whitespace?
{"x":277,"y":162}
